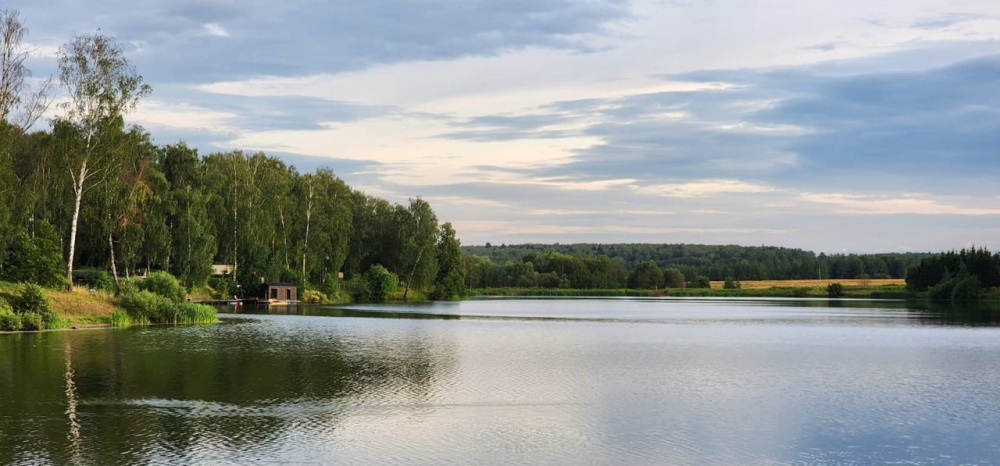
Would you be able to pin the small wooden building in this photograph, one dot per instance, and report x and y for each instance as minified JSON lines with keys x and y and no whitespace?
{"x":279,"y":292}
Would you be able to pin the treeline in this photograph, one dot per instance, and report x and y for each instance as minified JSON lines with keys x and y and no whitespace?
{"x":691,"y":260}
{"x":93,"y":191}
{"x":959,"y":276}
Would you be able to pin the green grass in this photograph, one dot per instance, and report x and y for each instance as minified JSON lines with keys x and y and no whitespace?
{"x":193,"y":313}
{"x":144,"y":307}
{"x":120,"y":318}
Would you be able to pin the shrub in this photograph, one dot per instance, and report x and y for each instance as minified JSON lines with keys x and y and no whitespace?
{"x":312,"y":296}
{"x":148,"y":306}
{"x":377,"y":284}
{"x":5,"y":306}
{"x":835,"y":290}
{"x":731,"y":284}
{"x":222,"y":288}
{"x":700,"y":281}
{"x":967,"y":290}
{"x":451,"y":286}
{"x":194,"y":313}
{"x":32,"y":321}
{"x":647,"y":276}
{"x":163,"y":284}
{"x":120,"y":318}
{"x":52,"y":320}
{"x":673,"y":278}
{"x":127,"y":286}
{"x":33,"y":300}
{"x":10,"y":321}
{"x":96,"y":279}
{"x":943,"y":290}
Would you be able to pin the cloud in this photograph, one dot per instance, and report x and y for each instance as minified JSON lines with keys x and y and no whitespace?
{"x":880,"y":205}
{"x":946,"y":20}
{"x":272,"y":38}
{"x":215,"y":30}
{"x":703,"y":188}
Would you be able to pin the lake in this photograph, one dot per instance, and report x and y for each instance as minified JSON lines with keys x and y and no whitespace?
{"x":515,"y":381}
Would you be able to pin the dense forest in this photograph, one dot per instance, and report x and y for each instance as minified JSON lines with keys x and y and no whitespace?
{"x":603,"y":265}
{"x":959,"y":276}
{"x":91,"y":190}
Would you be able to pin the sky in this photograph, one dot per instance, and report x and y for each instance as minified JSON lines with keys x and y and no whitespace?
{"x":847,"y":126}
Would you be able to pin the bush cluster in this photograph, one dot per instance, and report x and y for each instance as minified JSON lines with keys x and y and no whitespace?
{"x":376,"y":284}
{"x":163,"y":284}
{"x":95,"y":279}
{"x":30,"y":311}
{"x":961,"y":290}
{"x":158,"y":299}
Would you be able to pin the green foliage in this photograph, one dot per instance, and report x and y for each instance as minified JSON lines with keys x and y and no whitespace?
{"x":163,"y":284}
{"x":700,"y":281}
{"x":450,"y":281}
{"x":718,"y":262}
{"x":966,"y":290}
{"x":33,"y":300}
{"x":222,"y":288}
{"x":673,"y":278}
{"x":334,"y":290}
{"x":451,"y":286}
{"x":96,"y":279}
{"x":647,"y":276}
{"x":145,"y":307}
{"x":150,"y":306}
{"x":32,"y":321}
{"x":312,"y":296}
{"x":937,"y":269}
{"x":34,"y":260}
{"x":143,"y":206}
{"x":376,"y":284}
{"x":731,"y":284}
{"x":835,"y":290}
{"x":10,"y":321}
{"x":194,"y":313}
{"x":126,"y":286}
{"x":418,"y":258}
{"x":120,"y":318}
{"x":943,"y":290}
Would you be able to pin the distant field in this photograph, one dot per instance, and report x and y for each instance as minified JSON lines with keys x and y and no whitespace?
{"x":764,"y":284}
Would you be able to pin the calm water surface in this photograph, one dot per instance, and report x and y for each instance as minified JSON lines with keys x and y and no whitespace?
{"x":583,"y":381}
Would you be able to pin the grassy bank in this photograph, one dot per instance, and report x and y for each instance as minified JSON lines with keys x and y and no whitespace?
{"x":76,"y":308}
{"x":159,"y":300}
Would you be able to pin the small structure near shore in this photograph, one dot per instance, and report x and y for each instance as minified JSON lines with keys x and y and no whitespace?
{"x":279,"y":293}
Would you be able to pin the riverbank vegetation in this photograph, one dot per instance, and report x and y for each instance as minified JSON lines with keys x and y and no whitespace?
{"x":963,"y":276}
{"x":790,"y":291}
{"x":743,"y":263}
{"x":91,"y":200}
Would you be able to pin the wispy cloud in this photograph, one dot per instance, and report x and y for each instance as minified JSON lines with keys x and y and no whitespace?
{"x":215,"y":30}
{"x":703,"y":188}
{"x":882,"y":205}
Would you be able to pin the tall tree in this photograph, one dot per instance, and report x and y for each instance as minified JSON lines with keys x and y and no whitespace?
{"x":20,"y":106}
{"x":419,"y":230}
{"x":103,"y":87}
{"x":450,"y":281}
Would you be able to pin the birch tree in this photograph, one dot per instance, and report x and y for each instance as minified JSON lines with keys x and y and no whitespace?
{"x":103,"y":87}
{"x":20,"y":105}
{"x":418,"y":259}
